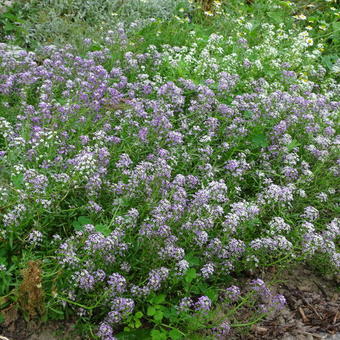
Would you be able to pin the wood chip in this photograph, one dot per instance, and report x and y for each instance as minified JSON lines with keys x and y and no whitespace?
{"x":259,"y":329}
{"x":303,"y":315}
{"x":312,"y":334}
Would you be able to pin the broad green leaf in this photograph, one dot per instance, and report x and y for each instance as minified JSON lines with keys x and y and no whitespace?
{"x":138,"y":315}
{"x":175,"y":334}
{"x":158,"y":316}
{"x":159,"y":299}
{"x":151,"y":311}
{"x":104,"y":229}
{"x":193,"y":260}
{"x":190,"y":275}
{"x":158,"y":335}
{"x":81,"y":221}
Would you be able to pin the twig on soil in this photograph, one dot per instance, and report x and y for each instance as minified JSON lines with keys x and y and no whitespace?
{"x":336,"y":317}
{"x":259,"y":329}
{"x":312,"y":334}
{"x":321,"y":289}
{"x":303,"y":315}
{"x":309,"y":305}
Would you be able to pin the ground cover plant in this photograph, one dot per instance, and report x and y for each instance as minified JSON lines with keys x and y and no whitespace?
{"x":147,"y":170}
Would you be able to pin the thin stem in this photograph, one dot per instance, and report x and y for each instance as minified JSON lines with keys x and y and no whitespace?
{"x":249,"y":323}
{"x":78,"y":304}
{"x":163,"y":324}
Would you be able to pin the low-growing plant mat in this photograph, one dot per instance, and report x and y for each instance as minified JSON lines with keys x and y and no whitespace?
{"x":312,"y":312}
{"x":157,"y":172}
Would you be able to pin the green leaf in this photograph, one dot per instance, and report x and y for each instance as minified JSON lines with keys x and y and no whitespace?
{"x":9,"y":27}
{"x":9,"y":16}
{"x":260,"y":140}
{"x":157,"y":335}
{"x":175,"y":334}
{"x":211,"y":294}
{"x":193,"y":260}
{"x":104,"y":229}
{"x":84,"y":220}
{"x":137,"y":334}
{"x":79,"y":224}
{"x":170,"y":313}
{"x":336,"y":29}
{"x":138,"y":315}
{"x":138,"y":323}
{"x":329,"y":60}
{"x":293,"y":144}
{"x":247,"y":114}
{"x":159,"y":299}
{"x":18,"y":181}
{"x":155,"y":332}
{"x":276,"y":16}
{"x":95,"y":48}
{"x":151,"y":311}
{"x":158,"y":316}
{"x":190,"y":275}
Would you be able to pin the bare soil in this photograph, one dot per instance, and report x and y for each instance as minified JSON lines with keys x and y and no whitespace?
{"x":312,"y":310}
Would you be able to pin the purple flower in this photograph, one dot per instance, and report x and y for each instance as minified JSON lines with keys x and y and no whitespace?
{"x":124,"y":306}
{"x":85,"y":280}
{"x":260,"y":287}
{"x":175,"y":137}
{"x":278,"y":302}
{"x":156,"y":277}
{"x":222,"y":330}
{"x":182,"y":266}
{"x":105,"y":330}
{"x":117,"y":283}
{"x":203,"y":304}
{"x":124,"y":161}
{"x":310,"y":213}
{"x":35,"y":237}
{"x":185,"y":304}
{"x":207,"y":270}
{"x":233,"y":293}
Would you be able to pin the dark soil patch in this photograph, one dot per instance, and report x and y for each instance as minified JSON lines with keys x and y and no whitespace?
{"x":16,"y":328}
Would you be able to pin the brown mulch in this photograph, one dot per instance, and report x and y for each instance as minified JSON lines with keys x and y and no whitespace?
{"x":312,"y":310}
{"x":14,"y":327}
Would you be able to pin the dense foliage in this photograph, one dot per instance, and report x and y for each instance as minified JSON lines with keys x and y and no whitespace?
{"x":148,"y":168}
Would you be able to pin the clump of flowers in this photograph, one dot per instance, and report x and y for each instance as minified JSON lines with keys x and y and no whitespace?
{"x":168,"y":171}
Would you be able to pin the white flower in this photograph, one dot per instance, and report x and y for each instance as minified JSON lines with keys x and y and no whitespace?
{"x":300,"y":17}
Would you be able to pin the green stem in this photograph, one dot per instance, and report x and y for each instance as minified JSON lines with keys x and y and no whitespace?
{"x":248,"y":323}
{"x":78,"y":304}
{"x":246,"y":299}
{"x":168,"y":326}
